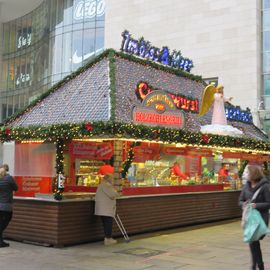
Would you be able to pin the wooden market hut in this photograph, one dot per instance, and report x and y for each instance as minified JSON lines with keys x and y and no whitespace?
{"x":97,"y":102}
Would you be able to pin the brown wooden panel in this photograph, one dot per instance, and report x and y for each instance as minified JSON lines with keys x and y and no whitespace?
{"x":73,"y":222}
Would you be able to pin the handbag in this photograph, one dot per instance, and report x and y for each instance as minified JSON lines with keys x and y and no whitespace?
{"x":246,"y":207}
{"x":253,"y":224}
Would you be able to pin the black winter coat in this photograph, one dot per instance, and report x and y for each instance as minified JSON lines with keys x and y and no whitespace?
{"x":262,"y":200}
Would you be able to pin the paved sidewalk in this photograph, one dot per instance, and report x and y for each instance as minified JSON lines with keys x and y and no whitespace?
{"x":216,"y":246}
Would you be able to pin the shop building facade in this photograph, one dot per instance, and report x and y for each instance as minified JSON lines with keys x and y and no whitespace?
{"x":46,"y":45}
{"x":227,"y":41}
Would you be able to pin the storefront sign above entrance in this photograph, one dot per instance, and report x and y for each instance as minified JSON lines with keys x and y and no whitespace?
{"x":158,"y":109}
{"x":144,"y":49}
{"x":89,"y":9}
{"x":181,"y":102}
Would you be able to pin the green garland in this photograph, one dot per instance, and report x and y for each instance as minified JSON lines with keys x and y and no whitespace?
{"x":242,"y":168}
{"x":101,"y":129}
{"x":58,"y":192}
{"x":128,"y":161}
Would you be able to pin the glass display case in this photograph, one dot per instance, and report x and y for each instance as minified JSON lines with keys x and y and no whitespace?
{"x":86,"y":172}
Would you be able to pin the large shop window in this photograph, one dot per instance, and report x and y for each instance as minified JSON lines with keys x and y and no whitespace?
{"x":83,"y":161}
{"x":166,"y":165}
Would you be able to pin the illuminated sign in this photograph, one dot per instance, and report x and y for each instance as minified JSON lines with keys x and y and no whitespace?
{"x":24,"y":41}
{"x":236,"y":114}
{"x":180,"y":101}
{"x":144,"y":49}
{"x":157,"y":119}
{"x":22,"y":78}
{"x":88,"y":9}
{"x":158,"y":109}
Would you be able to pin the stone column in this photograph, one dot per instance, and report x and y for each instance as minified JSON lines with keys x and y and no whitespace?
{"x":118,"y":150}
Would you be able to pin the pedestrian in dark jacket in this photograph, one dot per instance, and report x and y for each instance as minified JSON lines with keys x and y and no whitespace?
{"x":7,"y":186}
{"x":255,"y":180}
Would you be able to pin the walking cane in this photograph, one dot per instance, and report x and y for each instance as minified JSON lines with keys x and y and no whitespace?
{"x":121,"y":227}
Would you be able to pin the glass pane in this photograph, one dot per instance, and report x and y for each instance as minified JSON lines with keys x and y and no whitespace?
{"x":68,"y":11}
{"x":266,"y":40}
{"x":4,"y":76}
{"x":3,"y":115}
{"x":267,"y":102}
{"x":266,"y":19}
{"x":99,"y":39}
{"x":88,"y":43}
{"x":13,"y":38}
{"x":59,"y":13}
{"x":67,"y":52}
{"x":266,"y":84}
{"x":57,"y":53}
{"x":77,"y":50}
{"x":266,"y":4}
{"x":6,"y":38}
{"x":11,"y":74}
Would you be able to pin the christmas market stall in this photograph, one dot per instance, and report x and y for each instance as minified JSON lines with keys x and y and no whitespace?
{"x":143,"y":115}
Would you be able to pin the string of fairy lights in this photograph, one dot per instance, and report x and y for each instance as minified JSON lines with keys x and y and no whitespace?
{"x":61,"y":134}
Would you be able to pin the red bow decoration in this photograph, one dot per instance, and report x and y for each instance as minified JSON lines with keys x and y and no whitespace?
{"x":205,"y":138}
{"x":88,"y":127}
{"x":8,"y":131}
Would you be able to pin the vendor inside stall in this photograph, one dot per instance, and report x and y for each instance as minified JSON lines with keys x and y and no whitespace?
{"x":176,"y":171}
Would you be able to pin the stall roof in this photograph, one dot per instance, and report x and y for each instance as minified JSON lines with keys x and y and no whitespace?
{"x":104,"y":90}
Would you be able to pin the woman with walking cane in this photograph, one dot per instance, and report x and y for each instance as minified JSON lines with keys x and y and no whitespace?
{"x":256,"y":181}
{"x":105,"y":206}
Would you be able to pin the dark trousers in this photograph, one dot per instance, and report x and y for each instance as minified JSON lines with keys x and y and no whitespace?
{"x":5,"y":217}
{"x":107,"y":226}
{"x":256,"y":255}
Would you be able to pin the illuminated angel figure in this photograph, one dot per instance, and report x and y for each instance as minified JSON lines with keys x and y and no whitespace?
{"x":214,"y":95}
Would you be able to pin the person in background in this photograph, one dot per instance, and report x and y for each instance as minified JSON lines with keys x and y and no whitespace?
{"x":255,"y":180}
{"x":105,"y":206}
{"x":176,"y":170}
{"x":223,"y":171}
{"x":106,"y":168}
{"x":6,"y":167}
{"x":7,"y":186}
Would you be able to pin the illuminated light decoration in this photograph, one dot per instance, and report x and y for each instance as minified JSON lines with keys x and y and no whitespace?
{"x":236,"y":114}
{"x":88,"y":9}
{"x":131,"y":132}
{"x":158,"y":109}
{"x":32,"y":141}
{"x":157,"y":119}
{"x":144,"y":49}
{"x":180,"y":101}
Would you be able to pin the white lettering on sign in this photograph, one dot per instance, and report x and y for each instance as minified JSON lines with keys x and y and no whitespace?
{"x":89,"y":9}
{"x":24,"y":41}
{"x":23,"y":78}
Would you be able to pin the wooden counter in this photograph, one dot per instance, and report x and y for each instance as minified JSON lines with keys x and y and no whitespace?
{"x":72,"y":221}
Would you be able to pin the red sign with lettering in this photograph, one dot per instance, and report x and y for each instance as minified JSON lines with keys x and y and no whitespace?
{"x":174,"y":151}
{"x":244,"y":156}
{"x":30,"y":185}
{"x":200,"y":152}
{"x":92,"y":150}
{"x":146,"y":151}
